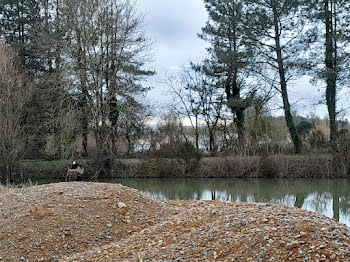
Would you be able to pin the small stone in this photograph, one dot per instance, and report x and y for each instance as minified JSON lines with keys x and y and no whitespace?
{"x":121,"y":205}
{"x":333,"y":256}
{"x":109,"y":225}
{"x":294,"y":244}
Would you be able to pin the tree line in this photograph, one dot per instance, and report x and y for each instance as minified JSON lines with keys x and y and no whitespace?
{"x":75,"y":68}
{"x":258,"y":49}
{"x":85,"y":62}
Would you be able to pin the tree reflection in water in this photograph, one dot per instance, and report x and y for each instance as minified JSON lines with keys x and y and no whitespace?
{"x":329,"y":197}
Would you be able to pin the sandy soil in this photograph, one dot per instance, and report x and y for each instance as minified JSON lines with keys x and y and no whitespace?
{"x":82,"y":221}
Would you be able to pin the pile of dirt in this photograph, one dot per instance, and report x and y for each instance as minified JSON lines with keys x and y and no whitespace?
{"x":43,"y":223}
{"x":106,"y":222}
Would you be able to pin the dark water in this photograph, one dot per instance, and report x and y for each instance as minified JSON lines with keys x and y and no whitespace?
{"x":328,"y":197}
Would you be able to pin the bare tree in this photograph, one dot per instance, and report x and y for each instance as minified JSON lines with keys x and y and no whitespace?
{"x":198,"y":100}
{"x":107,"y":55}
{"x":14,"y":92}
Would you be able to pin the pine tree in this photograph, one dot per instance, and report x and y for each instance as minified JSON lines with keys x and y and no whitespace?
{"x":17,"y":19}
{"x":330,"y":29}
{"x":230,"y":55}
{"x":275,"y":28}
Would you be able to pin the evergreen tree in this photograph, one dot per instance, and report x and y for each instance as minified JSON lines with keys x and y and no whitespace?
{"x":230,"y":55}
{"x":17,"y":20}
{"x":331,"y":30}
{"x":275,"y":28}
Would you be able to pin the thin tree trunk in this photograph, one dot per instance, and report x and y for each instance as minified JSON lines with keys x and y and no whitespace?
{"x":283,"y":83}
{"x":84,"y":95}
{"x":331,"y":74}
{"x":240,"y":117}
{"x":197,"y":133}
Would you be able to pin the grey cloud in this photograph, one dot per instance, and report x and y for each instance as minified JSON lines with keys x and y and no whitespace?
{"x":174,"y":23}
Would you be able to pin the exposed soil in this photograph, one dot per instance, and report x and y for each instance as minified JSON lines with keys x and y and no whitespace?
{"x":109,"y":222}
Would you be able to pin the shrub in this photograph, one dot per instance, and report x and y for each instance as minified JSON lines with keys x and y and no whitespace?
{"x":267,"y":168}
{"x":187,"y":152}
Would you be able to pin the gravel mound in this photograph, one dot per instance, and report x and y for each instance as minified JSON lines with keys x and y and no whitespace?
{"x":108,"y":222}
{"x":44,"y":223}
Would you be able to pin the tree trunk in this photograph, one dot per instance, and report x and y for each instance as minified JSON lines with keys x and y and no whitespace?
{"x":233,"y":92}
{"x":84,"y":98}
{"x":283,"y":83}
{"x":197,"y":133}
{"x":239,"y":121}
{"x":331,"y":74}
{"x":211,"y":141}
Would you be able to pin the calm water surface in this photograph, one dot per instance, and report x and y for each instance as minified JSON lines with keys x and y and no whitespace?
{"x":328,"y":197}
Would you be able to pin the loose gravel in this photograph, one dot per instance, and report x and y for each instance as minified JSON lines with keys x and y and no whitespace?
{"x":82,"y":221}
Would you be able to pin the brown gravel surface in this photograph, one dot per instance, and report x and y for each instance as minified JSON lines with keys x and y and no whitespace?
{"x":108,"y":222}
{"x":43,"y":223}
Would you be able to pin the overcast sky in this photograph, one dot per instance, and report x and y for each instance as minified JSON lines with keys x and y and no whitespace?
{"x":174,"y":25}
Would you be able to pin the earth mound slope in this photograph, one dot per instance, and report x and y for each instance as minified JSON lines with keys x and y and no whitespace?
{"x":221,"y":231}
{"x":107,"y":222}
{"x":44,"y":223}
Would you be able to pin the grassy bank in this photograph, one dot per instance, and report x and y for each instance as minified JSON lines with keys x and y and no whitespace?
{"x":282,"y":166}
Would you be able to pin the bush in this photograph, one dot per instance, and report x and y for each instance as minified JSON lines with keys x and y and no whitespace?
{"x":341,"y":158}
{"x":317,"y":139}
{"x":187,"y":152}
{"x":267,"y":168}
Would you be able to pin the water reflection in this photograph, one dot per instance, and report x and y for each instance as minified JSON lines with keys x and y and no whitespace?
{"x":328,"y":197}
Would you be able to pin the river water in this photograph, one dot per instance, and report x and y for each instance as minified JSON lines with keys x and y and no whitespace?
{"x":328,"y":197}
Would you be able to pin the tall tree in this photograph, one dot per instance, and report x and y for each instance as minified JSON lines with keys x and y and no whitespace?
{"x":14,"y":92}
{"x":108,"y":53}
{"x":331,"y":30}
{"x":33,"y":29}
{"x":50,"y":98}
{"x":230,"y":54}
{"x":17,"y":19}
{"x":275,"y":27}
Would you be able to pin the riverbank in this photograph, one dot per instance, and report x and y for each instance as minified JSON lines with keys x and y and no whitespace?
{"x":281,"y":166}
{"x":82,"y":221}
